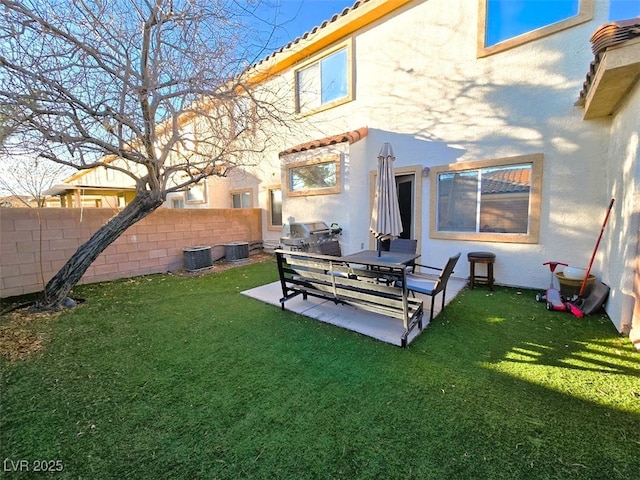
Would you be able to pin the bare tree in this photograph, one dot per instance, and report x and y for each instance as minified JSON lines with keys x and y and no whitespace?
{"x":154,"y":89}
{"x":6,"y":124}
{"x":28,"y":178}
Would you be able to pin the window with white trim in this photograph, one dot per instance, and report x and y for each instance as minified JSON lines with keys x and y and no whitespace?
{"x":196,"y":193}
{"x":241,"y":199}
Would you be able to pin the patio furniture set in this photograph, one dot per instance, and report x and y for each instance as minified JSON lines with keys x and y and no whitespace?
{"x":383,"y":282}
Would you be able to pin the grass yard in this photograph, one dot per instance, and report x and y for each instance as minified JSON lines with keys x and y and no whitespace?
{"x":185,"y":378}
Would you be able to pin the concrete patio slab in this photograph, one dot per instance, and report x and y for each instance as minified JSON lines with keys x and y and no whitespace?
{"x":373,"y":325}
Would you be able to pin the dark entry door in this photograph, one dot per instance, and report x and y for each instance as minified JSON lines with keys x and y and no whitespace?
{"x":405,"y":187}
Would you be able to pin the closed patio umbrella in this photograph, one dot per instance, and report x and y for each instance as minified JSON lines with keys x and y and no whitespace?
{"x":385,"y":216}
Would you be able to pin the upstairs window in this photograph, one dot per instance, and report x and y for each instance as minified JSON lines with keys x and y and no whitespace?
{"x":505,"y":24}
{"x":323,"y":83}
{"x":243,"y":115}
{"x":196,"y":193}
{"x":241,"y":199}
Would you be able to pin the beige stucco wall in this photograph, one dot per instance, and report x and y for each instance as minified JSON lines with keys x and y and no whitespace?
{"x":619,"y":256}
{"x":420,"y":86}
{"x":34,"y":244}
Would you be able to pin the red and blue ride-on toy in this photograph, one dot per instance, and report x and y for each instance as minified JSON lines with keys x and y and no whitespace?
{"x":552,"y":297}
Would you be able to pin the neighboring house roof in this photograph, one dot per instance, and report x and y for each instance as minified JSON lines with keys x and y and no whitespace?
{"x":15,"y":201}
{"x":616,"y":77}
{"x":351,"y":137}
{"x":510,"y":180}
{"x":506,"y":180}
{"x":69,"y":188}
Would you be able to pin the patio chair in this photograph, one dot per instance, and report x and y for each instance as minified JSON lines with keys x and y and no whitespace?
{"x":404,"y":245}
{"x":401,"y":245}
{"x":432,"y":284}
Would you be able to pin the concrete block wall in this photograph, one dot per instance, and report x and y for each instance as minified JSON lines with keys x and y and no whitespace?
{"x":35,"y":243}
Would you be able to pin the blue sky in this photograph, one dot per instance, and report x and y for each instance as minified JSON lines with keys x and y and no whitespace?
{"x":623,"y":9}
{"x":296,"y":17}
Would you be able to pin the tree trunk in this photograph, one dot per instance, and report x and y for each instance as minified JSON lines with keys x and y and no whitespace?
{"x":58,"y":288}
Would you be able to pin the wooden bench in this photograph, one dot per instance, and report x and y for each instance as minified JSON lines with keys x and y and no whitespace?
{"x":365,"y":287}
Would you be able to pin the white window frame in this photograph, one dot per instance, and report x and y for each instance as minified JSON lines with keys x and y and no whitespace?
{"x":244,"y":115}
{"x":242,"y":192}
{"x":196,"y":193}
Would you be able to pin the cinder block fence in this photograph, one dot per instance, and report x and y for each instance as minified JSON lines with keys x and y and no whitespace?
{"x":35,"y":243}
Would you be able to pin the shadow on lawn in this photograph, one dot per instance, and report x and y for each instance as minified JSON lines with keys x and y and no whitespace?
{"x":508,"y":327}
{"x":577,"y":355}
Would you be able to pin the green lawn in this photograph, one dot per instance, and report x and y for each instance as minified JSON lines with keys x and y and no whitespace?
{"x":185,"y":378}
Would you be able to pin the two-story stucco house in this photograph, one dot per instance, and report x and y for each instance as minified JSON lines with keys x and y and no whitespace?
{"x":512,"y":144}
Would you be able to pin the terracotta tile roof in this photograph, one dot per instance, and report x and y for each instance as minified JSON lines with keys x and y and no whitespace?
{"x":313,"y":31}
{"x":613,"y":33}
{"x":607,"y":35}
{"x":506,"y":180}
{"x":510,"y":180}
{"x":351,"y":137}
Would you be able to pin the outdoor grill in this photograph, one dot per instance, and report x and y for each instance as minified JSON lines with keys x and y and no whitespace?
{"x":305,"y":236}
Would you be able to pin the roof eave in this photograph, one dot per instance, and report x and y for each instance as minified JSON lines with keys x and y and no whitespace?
{"x":337,"y":28}
{"x":351,"y":137}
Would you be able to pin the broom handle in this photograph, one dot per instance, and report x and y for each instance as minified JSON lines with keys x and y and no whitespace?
{"x":586,"y":277}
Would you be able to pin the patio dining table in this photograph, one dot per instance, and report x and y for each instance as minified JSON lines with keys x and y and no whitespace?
{"x":368,"y":256}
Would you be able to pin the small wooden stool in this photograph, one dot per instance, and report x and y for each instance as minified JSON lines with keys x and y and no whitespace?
{"x":487,"y":258}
